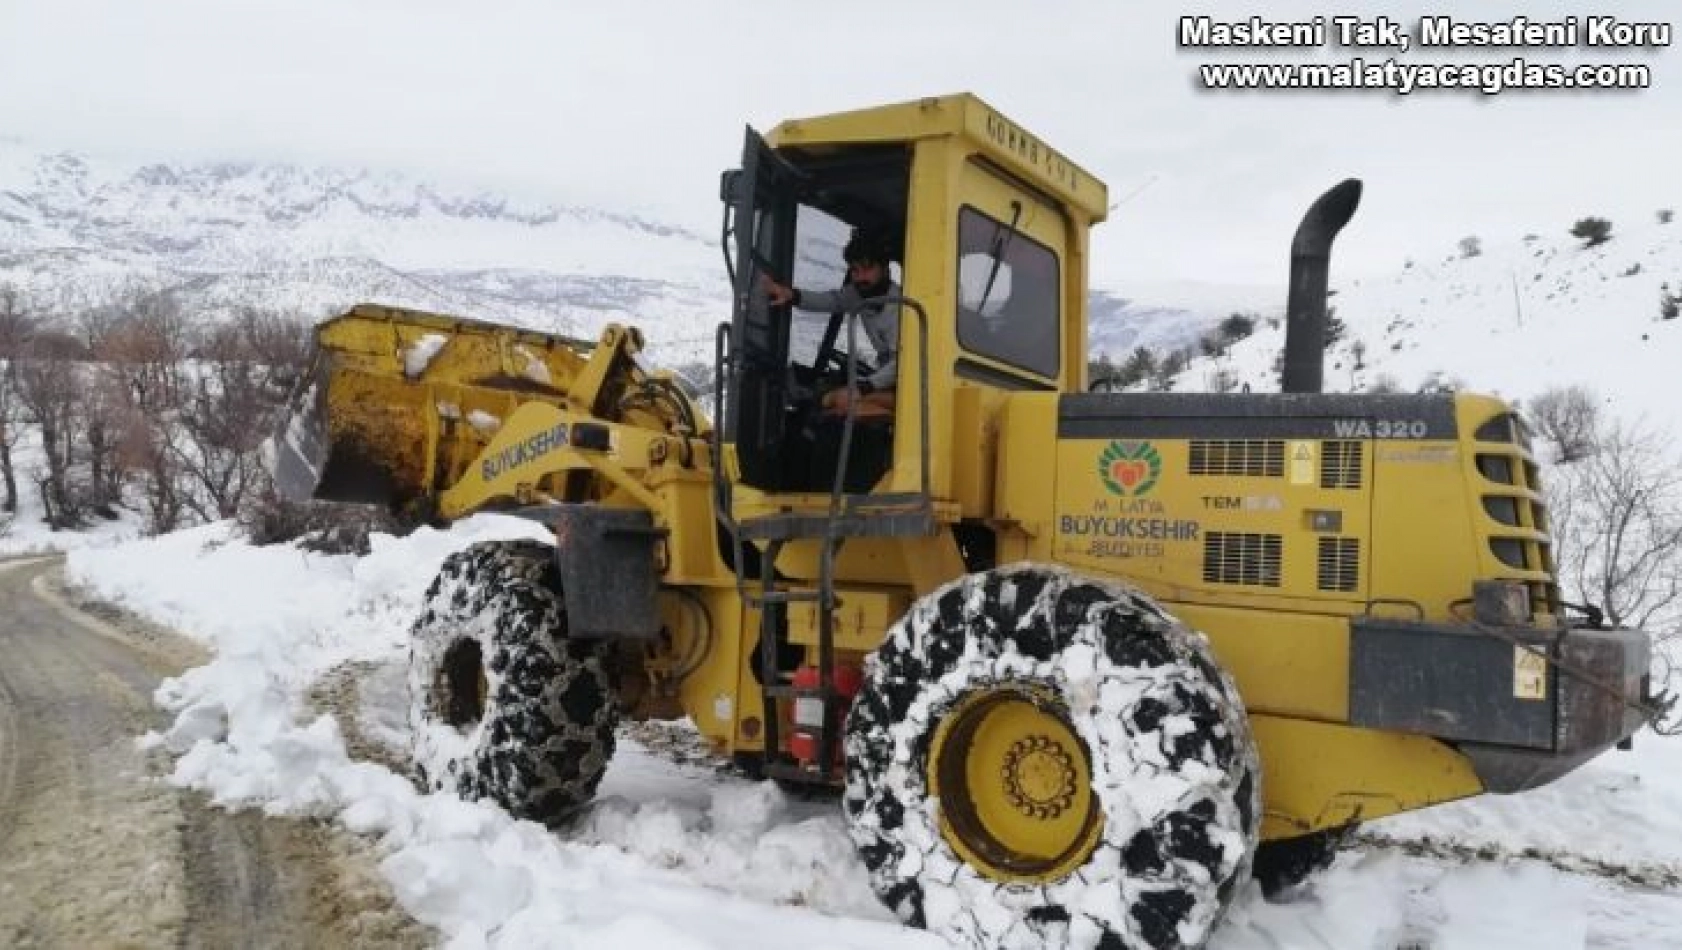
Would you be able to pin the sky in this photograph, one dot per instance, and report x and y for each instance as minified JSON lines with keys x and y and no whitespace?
{"x":640,"y":104}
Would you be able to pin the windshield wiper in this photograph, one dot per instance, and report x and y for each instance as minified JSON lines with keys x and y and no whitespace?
{"x":1001,"y":243}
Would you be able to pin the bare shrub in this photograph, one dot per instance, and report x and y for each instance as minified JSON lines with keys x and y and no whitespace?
{"x":1139,"y":366}
{"x":1336,"y":329}
{"x":245,"y":368}
{"x":1617,"y":517}
{"x":11,"y":426}
{"x":324,"y":527}
{"x":1100,"y":372}
{"x":1237,"y":326}
{"x":148,"y":342}
{"x":1440,"y":383}
{"x":1568,"y":420}
{"x":1172,"y":365}
{"x":17,"y":326}
{"x":48,"y":377}
{"x":277,"y":344}
{"x":17,"y":322}
{"x":1222,"y":380}
{"x":1592,"y":231}
{"x":141,"y":339}
{"x":1385,"y":383}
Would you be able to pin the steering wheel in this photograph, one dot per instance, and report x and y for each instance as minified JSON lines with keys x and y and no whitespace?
{"x":830,"y":362}
{"x":829,"y":359}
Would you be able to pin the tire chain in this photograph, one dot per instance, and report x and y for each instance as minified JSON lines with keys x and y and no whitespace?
{"x":547,"y":731}
{"x":998,"y":623}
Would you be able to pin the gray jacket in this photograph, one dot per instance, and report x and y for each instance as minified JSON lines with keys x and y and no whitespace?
{"x":880,"y":324}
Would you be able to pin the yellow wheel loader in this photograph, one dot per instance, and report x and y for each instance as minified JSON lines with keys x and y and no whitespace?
{"x":1079,"y":664}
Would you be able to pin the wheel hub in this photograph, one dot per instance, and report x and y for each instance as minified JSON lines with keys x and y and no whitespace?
{"x":1014,"y":782}
{"x":1039,"y":777}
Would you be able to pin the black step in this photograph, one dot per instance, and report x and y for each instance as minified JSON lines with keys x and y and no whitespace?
{"x":883,"y":501}
{"x":785,"y":691}
{"x":758,"y":598}
{"x":863,"y":523}
{"x":809,"y":776}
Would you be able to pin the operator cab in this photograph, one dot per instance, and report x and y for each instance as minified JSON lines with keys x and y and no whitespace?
{"x":793,"y":213}
{"x":988,"y":229}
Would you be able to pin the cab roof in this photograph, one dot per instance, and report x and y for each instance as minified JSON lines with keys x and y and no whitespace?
{"x":1002,"y":141}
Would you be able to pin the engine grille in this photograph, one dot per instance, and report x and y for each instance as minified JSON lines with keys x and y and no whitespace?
{"x":1340,"y":564}
{"x":1249,"y":559}
{"x":1258,"y":458}
{"x":1340,"y":463}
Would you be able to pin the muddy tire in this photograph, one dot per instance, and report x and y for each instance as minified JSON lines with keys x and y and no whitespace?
{"x":1040,"y":760}
{"x":503,"y":705}
{"x":1290,"y":861}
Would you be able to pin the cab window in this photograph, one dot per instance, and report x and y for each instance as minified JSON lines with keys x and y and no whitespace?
{"x":1008,"y":300}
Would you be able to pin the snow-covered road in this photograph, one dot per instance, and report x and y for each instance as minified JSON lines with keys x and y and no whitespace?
{"x":681,"y":855}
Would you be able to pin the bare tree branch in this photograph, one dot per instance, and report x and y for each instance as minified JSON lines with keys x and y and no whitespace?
{"x":1617,"y":515}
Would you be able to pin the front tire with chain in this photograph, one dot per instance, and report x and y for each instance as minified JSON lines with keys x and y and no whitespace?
{"x":504,"y":705}
{"x":1037,"y":759}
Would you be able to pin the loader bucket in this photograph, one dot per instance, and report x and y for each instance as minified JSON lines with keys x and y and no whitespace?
{"x":295,"y":454}
{"x":313,"y":459}
{"x":397,"y":400}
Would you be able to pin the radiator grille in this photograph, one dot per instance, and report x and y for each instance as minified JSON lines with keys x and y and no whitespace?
{"x":1262,"y":458}
{"x":1340,"y":564}
{"x":1252,"y":559}
{"x":1517,"y":531}
{"x":1340,"y":463}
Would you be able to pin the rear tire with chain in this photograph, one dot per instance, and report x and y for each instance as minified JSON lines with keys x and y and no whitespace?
{"x":505,"y":706}
{"x":1039,"y":759}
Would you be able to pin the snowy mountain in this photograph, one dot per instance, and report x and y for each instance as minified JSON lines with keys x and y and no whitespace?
{"x":76,"y":230}
{"x":1526,"y":314}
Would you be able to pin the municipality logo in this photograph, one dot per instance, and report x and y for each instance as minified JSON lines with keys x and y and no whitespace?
{"x":1129,"y":469}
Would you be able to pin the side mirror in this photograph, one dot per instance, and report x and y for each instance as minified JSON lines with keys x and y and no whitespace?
{"x":975,"y":270}
{"x":729,"y":184}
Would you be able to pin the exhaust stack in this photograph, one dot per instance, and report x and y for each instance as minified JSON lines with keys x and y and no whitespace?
{"x":1305,"y":307}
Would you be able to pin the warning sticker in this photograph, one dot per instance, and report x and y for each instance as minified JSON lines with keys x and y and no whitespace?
{"x":1303,"y":469}
{"x":1530,"y":675}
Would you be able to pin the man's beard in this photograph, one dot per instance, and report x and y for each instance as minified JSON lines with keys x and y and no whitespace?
{"x":875,"y":289}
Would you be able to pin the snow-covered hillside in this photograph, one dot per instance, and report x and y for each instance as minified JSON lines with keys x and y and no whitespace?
{"x":1162,"y":316}
{"x":1528,"y":314}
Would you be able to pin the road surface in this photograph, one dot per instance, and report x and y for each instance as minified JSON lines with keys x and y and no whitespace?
{"x":96,"y":849}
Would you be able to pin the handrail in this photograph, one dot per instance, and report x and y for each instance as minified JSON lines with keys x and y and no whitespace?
{"x":724,"y":363}
{"x":852,"y":315}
